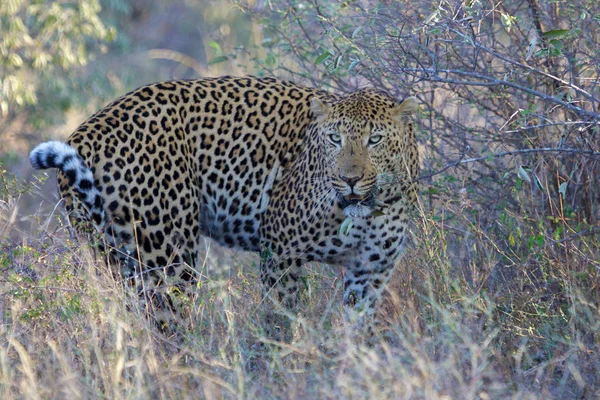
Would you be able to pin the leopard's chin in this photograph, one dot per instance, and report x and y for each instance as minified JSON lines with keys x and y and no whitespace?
{"x":357,"y":211}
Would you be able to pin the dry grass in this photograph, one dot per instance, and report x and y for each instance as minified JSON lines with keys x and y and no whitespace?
{"x":467,"y":317}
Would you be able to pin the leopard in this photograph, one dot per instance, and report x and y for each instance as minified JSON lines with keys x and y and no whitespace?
{"x":296,"y":174}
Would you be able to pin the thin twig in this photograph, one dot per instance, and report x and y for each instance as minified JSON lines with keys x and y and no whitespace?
{"x":587,"y":232}
{"x":432,"y":74}
{"x":509,"y":153}
{"x":527,"y":128}
{"x":529,"y":151}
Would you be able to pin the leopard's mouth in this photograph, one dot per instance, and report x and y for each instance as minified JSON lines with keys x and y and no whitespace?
{"x":352,"y":199}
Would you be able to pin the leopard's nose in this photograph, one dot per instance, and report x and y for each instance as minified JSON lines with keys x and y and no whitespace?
{"x":351,"y":180}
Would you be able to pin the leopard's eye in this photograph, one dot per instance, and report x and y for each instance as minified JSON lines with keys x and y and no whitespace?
{"x":375,"y":139}
{"x":335,"y":138}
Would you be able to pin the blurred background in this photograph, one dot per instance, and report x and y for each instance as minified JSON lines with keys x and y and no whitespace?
{"x":507,"y":232}
{"x":62,"y":60}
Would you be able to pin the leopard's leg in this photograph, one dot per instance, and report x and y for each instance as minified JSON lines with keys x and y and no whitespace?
{"x":363,"y":291}
{"x":166,"y":292}
{"x":281,"y":291}
{"x":172,"y":291}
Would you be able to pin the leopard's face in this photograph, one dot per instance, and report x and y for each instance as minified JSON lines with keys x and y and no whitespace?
{"x":364,"y":138}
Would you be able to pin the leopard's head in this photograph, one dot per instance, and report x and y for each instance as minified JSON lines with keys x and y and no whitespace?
{"x":366,"y":138}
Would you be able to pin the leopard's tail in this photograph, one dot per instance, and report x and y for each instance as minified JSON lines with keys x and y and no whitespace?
{"x":65,"y":158}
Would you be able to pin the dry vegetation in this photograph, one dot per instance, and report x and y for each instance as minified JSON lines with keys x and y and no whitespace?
{"x":527,"y":329}
{"x":498,"y":297}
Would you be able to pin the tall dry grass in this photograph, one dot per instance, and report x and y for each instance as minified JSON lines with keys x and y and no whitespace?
{"x":464,"y":319}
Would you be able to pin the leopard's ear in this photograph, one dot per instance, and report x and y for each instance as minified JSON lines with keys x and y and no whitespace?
{"x":318,"y":108}
{"x":405,"y":109}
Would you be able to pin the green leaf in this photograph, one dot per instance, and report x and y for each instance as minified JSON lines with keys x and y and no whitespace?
{"x":270,"y":60}
{"x":519,"y":183}
{"x":216,"y":47}
{"x":554,"y":33}
{"x":356,"y":32}
{"x":377,"y":213}
{"x":217,"y":60}
{"x":562,"y":189}
{"x":507,"y":20}
{"x":523,"y":174}
{"x":540,"y":240}
{"x":346,"y":226}
{"x":531,"y":47}
{"x":338,"y":60}
{"x":323,"y":57}
{"x":538,"y":183}
{"x":269,"y":42}
{"x":556,"y":43}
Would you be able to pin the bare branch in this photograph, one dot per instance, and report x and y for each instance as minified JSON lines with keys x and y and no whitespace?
{"x":584,"y":93}
{"x":461,"y":161}
{"x":485,"y":80}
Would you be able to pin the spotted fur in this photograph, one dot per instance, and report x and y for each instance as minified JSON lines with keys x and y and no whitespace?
{"x":258,"y":164}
